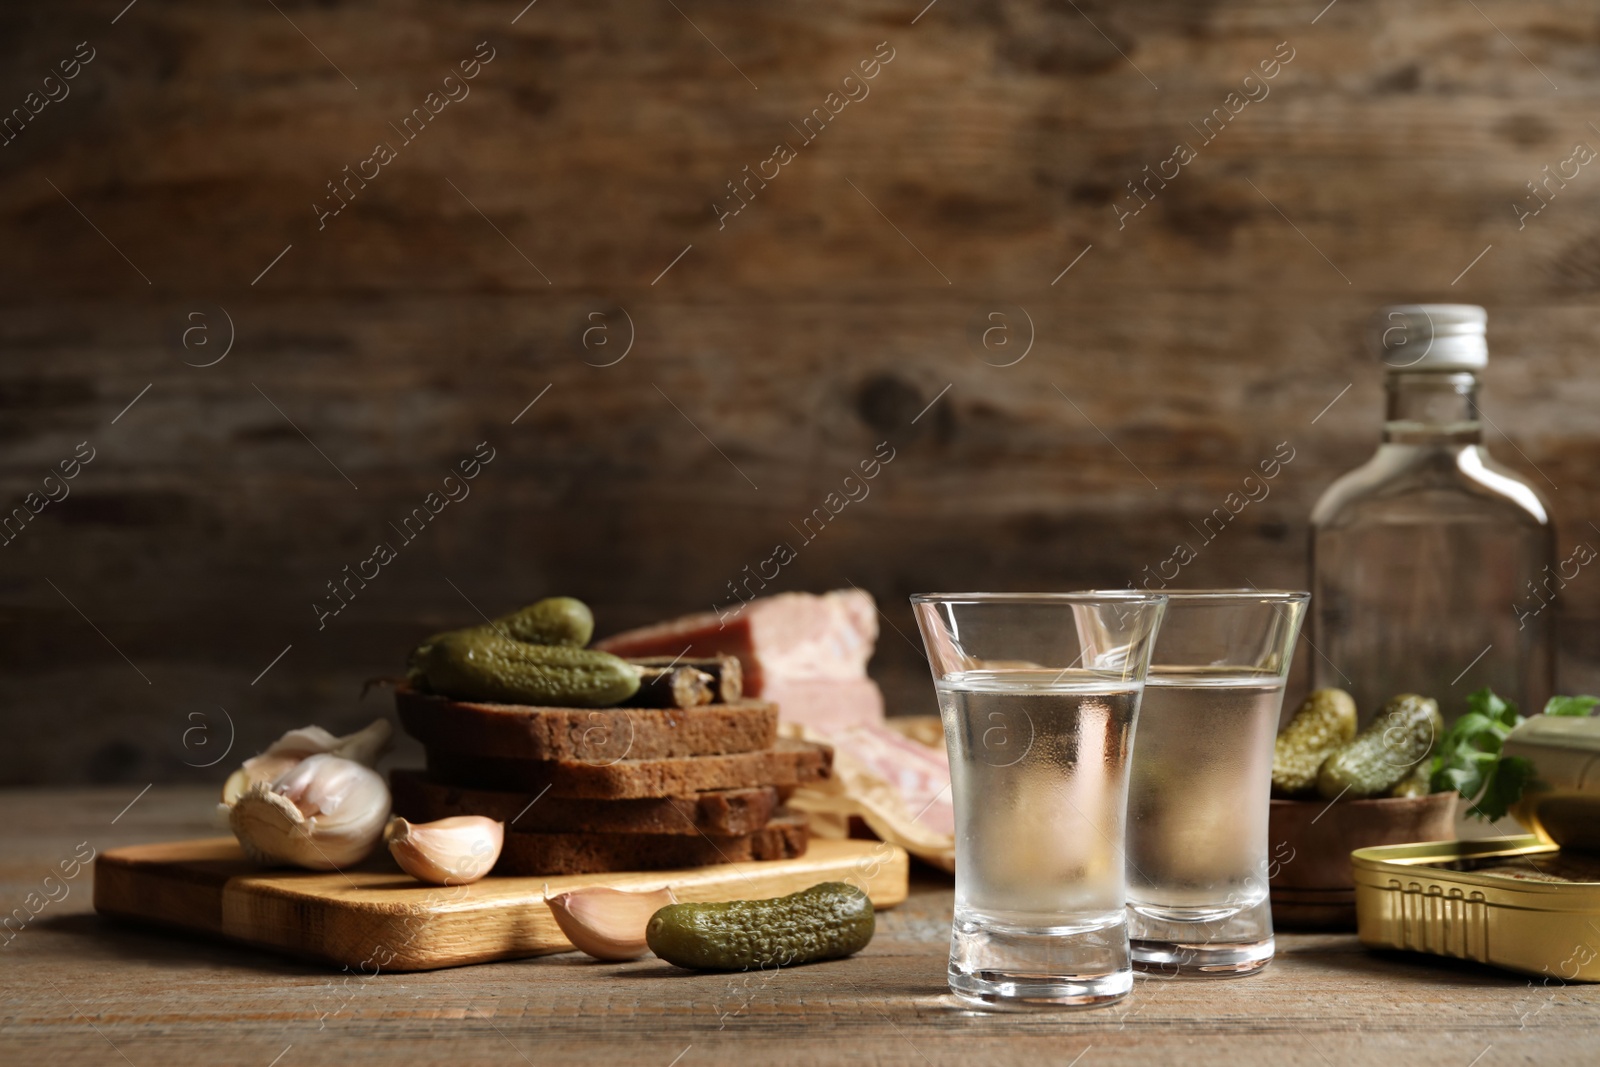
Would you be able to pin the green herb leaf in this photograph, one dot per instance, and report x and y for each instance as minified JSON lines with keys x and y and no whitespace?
{"x":1465,"y":772}
{"x":1487,"y":702}
{"x":1467,"y":758}
{"x":1574,"y":706}
{"x":1506,"y":783}
{"x":1474,"y":729}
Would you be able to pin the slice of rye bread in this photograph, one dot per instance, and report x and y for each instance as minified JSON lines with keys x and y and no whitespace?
{"x":785,"y":837}
{"x":787,"y":763}
{"x":589,"y":735}
{"x":722,"y":812}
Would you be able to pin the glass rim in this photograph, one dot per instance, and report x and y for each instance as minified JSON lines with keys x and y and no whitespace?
{"x":1274,"y":595}
{"x":1086,"y":596}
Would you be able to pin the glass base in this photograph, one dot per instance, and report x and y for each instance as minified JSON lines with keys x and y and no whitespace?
{"x":1171,"y":943}
{"x":1004,"y":967}
{"x":1177,"y":959}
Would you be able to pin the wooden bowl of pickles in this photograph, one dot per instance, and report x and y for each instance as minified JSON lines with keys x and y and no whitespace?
{"x":1335,"y":791}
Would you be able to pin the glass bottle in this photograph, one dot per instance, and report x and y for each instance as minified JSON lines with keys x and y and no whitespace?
{"x":1431,"y":563}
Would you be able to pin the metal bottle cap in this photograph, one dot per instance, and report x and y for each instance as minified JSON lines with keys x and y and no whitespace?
{"x":1430,"y":337}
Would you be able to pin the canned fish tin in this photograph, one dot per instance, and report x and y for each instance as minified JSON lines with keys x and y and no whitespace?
{"x":1528,"y":904}
{"x":1512,"y":902}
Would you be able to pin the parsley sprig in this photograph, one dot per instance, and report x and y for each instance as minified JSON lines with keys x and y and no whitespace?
{"x":1468,"y":758}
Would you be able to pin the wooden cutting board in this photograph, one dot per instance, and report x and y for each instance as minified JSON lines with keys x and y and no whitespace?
{"x":379,"y":919}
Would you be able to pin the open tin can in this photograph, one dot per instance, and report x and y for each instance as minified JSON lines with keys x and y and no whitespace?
{"x":1529,"y":903}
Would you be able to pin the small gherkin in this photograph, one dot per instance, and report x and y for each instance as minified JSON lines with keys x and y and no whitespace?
{"x":1325,"y":720}
{"x":534,"y":655}
{"x":479,"y":664}
{"x":1416,"y":784}
{"x":824,"y":922}
{"x":1386,"y":752}
{"x":555,"y":620}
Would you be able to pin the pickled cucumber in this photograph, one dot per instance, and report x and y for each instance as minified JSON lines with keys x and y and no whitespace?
{"x":479,"y":664}
{"x":555,"y":620}
{"x":824,"y":922}
{"x":1325,"y":720}
{"x":1416,"y":784}
{"x":1386,"y":752}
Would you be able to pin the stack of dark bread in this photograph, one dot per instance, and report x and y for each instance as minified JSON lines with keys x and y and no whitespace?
{"x":686,"y":772}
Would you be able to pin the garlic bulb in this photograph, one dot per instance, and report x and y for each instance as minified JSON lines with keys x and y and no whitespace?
{"x":608,"y":924}
{"x":363,"y":746}
{"x":323,"y":813}
{"x":451,"y":851}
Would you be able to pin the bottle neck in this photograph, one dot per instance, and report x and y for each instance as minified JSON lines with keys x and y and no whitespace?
{"x":1432,"y":408}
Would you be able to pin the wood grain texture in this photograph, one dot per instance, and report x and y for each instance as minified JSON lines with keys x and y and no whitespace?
{"x":844,"y":306}
{"x":80,"y":989}
{"x":378,"y":918}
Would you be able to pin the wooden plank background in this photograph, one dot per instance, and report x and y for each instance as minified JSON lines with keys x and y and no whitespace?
{"x":843,"y":307}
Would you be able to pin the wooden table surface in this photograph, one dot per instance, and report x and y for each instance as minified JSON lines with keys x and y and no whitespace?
{"x":80,"y":989}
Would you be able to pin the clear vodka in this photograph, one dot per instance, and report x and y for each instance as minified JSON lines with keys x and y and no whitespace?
{"x":1431,"y":563}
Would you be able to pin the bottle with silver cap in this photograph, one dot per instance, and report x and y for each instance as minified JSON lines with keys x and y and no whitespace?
{"x":1431,"y":562}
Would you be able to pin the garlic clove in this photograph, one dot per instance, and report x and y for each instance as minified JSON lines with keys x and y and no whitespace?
{"x":453,"y":851}
{"x":323,"y":813}
{"x":608,"y":924}
{"x":257,"y":770}
{"x":364,"y":746}
{"x":268,"y":826}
